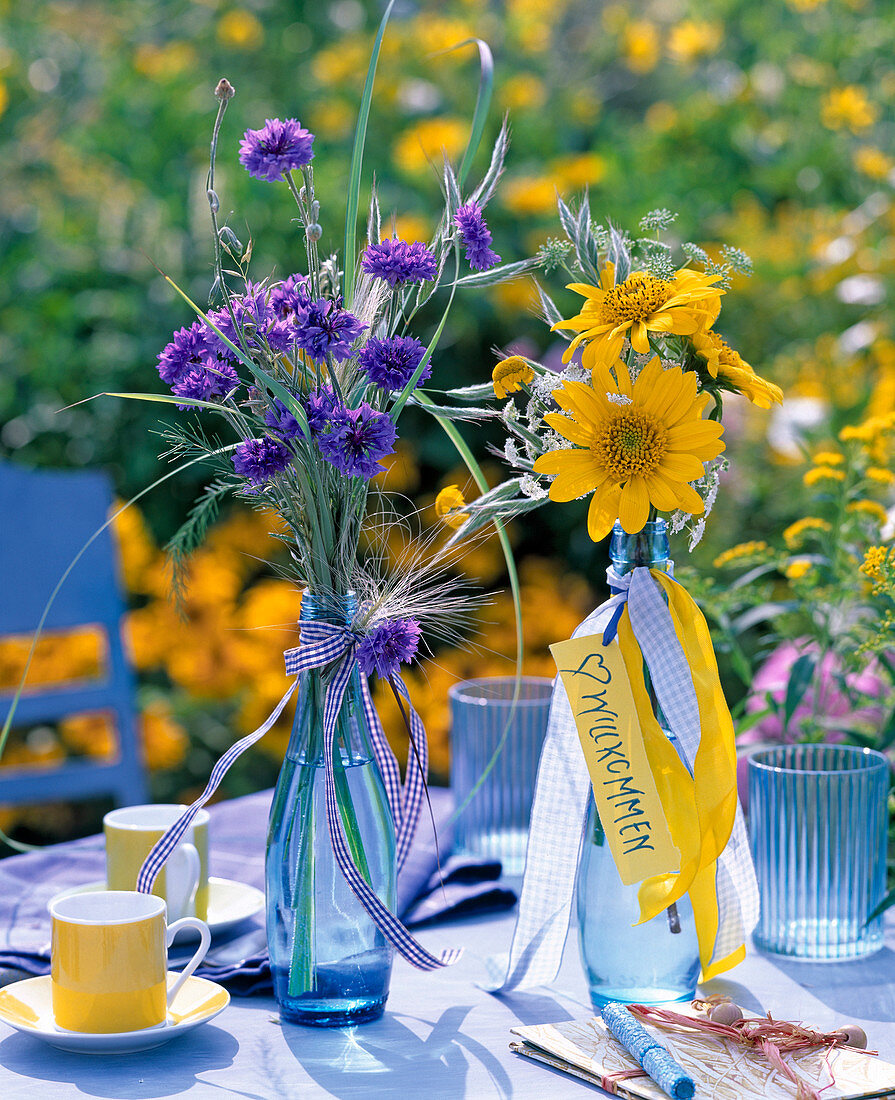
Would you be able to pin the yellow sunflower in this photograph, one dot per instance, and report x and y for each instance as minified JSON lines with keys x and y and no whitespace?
{"x":635,"y":446}
{"x":723,"y":362}
{"x":641,"y":304}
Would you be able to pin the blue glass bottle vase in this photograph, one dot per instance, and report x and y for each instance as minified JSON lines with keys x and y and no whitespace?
{"x":331,"y":964}
{"x":624,"y":961}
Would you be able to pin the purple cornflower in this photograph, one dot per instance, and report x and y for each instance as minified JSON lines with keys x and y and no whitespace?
{"x":391,"y":363}
{"x":356,"y":439}
{"x":476,"y":237}
{"x":277,"y":148}
{"x":209,"y":379}
{"x":286,"y":296}
{"x":253,"y":315}
{"x":258,"y":460}
{"x":188,"y":348}
{"x":320,"y":407}
{"x":399,"y":262}
{"x":281,"y":421}
{"x":322,"y":327}
{"x":387,"y":645}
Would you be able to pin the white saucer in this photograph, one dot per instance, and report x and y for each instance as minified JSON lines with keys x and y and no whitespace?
{"x":28,"y":1007}
{"x":229,"y":903}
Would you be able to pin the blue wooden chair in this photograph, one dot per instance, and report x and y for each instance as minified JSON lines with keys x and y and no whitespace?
{"x":46,"y":516}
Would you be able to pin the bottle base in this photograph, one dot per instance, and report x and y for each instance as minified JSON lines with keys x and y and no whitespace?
{"x":315,"y":1014}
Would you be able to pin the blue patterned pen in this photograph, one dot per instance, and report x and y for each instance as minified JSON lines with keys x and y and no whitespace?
{"x":648,"y":1053}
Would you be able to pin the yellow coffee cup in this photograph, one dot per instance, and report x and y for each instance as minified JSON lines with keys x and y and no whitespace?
{"x":130,"y":835}
{"x":109,"y":960}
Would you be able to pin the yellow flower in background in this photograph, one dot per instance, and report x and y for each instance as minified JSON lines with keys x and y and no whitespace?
{"x":693,"y":39}
{"x":873,"y":162}
{"x":164,"y":740}
{"x":409,"y":227}
{"x":425,"y":143}
{"x":660,"y":117}
{"x":585,"y":105}
{"x":510,"y":375}
{"x":822,"y":473}
{"x":523,"y":91}
{"x":577,"y":171}
{"x":723,"y":362}
{"x":4,"y":97}
{"x":635,"y":447}
{"x":527,"y":195}
{"x":828,"y":458}
{"x":164,"y":62}
{"x":448,"y":504}
{"x":640,"y":305}
{"x":640,"y":46}
{"x":848,"y":108}
{"x":870,"y":508}
{"x":400,"y":470}
{"x":806,"y":5}
{"x":880,"y":475}
{"x":343,"y":63}
{"x":514,"y":296}
{"x":743,"y":551}
{"x":874,"y":559}
{"x":90,"y":734}
{"x":797,"y":568}
{"x":792,"y":536}
{"x":240,"y":29}
{"x":333,"y":117}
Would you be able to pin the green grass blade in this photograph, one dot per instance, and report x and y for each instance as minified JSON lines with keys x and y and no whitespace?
{"x":357,"y":163}
{"x":7,"y":725}
{"x":476,"y":471}
{"x":482,"y":105}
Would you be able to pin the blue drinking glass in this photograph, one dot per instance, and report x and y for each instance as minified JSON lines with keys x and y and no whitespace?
{"x":486,"y":715}
{"x":818,"y":819}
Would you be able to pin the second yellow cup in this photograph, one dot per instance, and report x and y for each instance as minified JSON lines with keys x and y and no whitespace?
{"x":131,"y":833}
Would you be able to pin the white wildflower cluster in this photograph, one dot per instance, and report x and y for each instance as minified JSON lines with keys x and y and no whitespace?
{"x":619,"y":399}
{"x":530,"y":486}
{"x":657,"y":220}
{"x":696,"y":532}
{"x":543,"y":385}
{"x":511,"y":452}
{"x":509,"y":411}
{"x":707,"y":486}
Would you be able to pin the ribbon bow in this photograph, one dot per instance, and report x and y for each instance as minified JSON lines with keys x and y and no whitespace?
{"x":323,"y":644}
{"x":696,"y":780}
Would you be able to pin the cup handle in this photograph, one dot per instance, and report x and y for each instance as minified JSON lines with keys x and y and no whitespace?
{"x":201,"y":950}
{"x":185,"y":859}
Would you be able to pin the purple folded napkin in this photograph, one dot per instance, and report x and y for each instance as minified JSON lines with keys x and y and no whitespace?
{"x":432,"y":886}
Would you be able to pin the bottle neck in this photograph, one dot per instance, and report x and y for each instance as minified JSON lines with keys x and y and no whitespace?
{"x":648,"y":547}
{"x":336,"y":609}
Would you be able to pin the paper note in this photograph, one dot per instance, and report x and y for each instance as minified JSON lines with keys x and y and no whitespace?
{"x":596,"y":681}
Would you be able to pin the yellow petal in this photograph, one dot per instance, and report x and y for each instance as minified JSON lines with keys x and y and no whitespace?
{"x":681,"y":467}
{"x":692,"y":434}
{"x":633,"y":509}
{"x":570,"y":429}
{"x":578,"y":476}
{"x":661,"y":493}
{"x":586,"y":404}
{"x":639,"y":338}
{"x":603,"y":510}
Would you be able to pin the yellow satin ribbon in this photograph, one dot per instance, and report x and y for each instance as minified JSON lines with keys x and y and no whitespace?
{"x":701,"y":808}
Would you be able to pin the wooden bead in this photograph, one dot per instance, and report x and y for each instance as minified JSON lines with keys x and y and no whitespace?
{"x":725,"y":1013}
{"x":853,"y":1036}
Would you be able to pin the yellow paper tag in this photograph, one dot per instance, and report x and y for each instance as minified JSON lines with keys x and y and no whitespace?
{"x":596,"y":681}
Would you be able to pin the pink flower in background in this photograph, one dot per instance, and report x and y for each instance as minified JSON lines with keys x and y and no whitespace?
{"x":823,"y":697}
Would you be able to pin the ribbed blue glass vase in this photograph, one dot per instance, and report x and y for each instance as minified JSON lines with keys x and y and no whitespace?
{"x":624,"y":961}
{"x":331,"y":964}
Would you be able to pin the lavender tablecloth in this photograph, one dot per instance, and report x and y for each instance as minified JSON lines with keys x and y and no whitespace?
{"x":426,"y":892}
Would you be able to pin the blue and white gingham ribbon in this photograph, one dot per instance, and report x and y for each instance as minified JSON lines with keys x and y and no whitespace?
{"x":563,"y":789}
{"x":323,"y":644}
